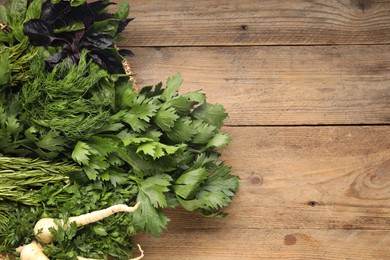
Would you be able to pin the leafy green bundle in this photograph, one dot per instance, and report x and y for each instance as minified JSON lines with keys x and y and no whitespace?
{"x":72,"y":106}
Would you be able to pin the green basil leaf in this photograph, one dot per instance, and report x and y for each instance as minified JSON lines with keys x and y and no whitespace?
{"x":109,"y":27}
{"x":3,"y":14}
{"x":18,"y":7}
{"x":74,"y":26}
{"x":123,"y":11}
{"x":76,"y":2}
{"x":34,"y":10}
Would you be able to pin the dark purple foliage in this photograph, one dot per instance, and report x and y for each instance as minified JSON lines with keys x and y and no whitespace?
{"x":54,"y":28}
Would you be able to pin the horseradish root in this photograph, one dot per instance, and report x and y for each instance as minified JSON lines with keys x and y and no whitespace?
{"x":41,"y":229}
{"x":32,"y":251}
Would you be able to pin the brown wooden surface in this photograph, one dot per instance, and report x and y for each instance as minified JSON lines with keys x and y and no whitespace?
{"x":255,"y":22}
{"x":286,"y":85}
{"x":310,"y":124}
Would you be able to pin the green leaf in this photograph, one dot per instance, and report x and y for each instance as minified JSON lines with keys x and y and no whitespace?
{"x":103,"y":146}
{"x":195,"y":96}
{"x":73,"y":26}
{"x":190,"y":205}
{"x":182,"y":131}
{"x":173,"y":85}
{"x":166,"y":117}
{"x":151,"y":195}
{"x":108,"y":26}
{"x":81,"y":153}
{"x":100,"y":230}
{"x":3,"y":14}
{"x":117,"y":178}
{"x":181,"y":104}
{"x":52,"y":142}
{"x":33,"y":10}
{"x":123,"y":11}
{"x":204,"y":132}
{"x":138,"y":116}
{"x":135,"y":140}
{"x":188,"y":183}
{"x":5,"y":69}
{"x":147,"y":218}
{"x":213,"y":114}
{"x":139,"y":165}
{"x":154,"y":188}
{"x":157,"y":150}
{"x":76,"y":2}
{"x":18,"y":7}
{"x":147,"y":148}
{"x":218,"y":189}
{"x":220,"y":140}
{"x":19,"y":34}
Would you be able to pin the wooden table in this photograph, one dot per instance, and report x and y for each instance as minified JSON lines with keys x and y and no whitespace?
{"x":307,"y":87}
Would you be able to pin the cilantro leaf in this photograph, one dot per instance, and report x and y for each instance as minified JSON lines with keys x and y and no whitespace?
{"x":218,"y":189}
{"x":173,"y":85}
{"x":220,"y":140}
{"x":157,"y":149}
{"x":166,"y":117}
{"x":151,"y":195}
{"x":186,"y":185}
{"x":182,"y":131}
{"x":216,"y":192}
{"x":213,"y":114}
{"x":204,"y":132}
{"x":81,"y":152}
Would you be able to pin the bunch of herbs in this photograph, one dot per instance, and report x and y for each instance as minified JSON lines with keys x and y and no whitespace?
{"x":72,"y":106}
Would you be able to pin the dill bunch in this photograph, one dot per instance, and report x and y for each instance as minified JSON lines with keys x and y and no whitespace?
{"x":69,"y":99}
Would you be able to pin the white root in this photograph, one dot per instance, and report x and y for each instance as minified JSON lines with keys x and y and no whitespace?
{"x":41,"y":229}
{"x":142,"y":253}
{"x":32,"y":251}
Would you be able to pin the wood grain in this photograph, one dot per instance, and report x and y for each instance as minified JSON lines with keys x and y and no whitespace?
{"x":280,"y":85}
{"x":228,"y":244}
{"x":306,"y":193}
{"x":252,"y":22}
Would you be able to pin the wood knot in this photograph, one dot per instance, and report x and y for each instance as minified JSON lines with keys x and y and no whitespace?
{"x":372,"y":182}
{"x":363,"y":5}
{"x":382,"y":174}
{"x":256,"y":179}
{"x":290,"y":240}
{"x":313,"y":203}
{"x":244,"y":27}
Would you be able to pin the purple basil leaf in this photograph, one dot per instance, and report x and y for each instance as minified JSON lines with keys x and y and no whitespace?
{"x":96,"y":41}
{"x":110,"y":61}
{"x":123,"y":23}
{"x":96,"y":59}
{"x":53,"y":60}
{"x":54,"y":13}
{"x":104,"y":16}
{"x":39,"y":32}
{"x":83,"y":14}
{"x":77,"y":40}
{"x":99,"y":6}
{"x":125,"y":52}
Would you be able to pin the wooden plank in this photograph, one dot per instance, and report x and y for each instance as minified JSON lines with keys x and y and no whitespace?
{"x":252,"y":22}
{"x":309,"y":177}
{"x":305,"y":178}
{"x":280,"y":85}
{"x":306,"y":193}
{"x":218,"y":244}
